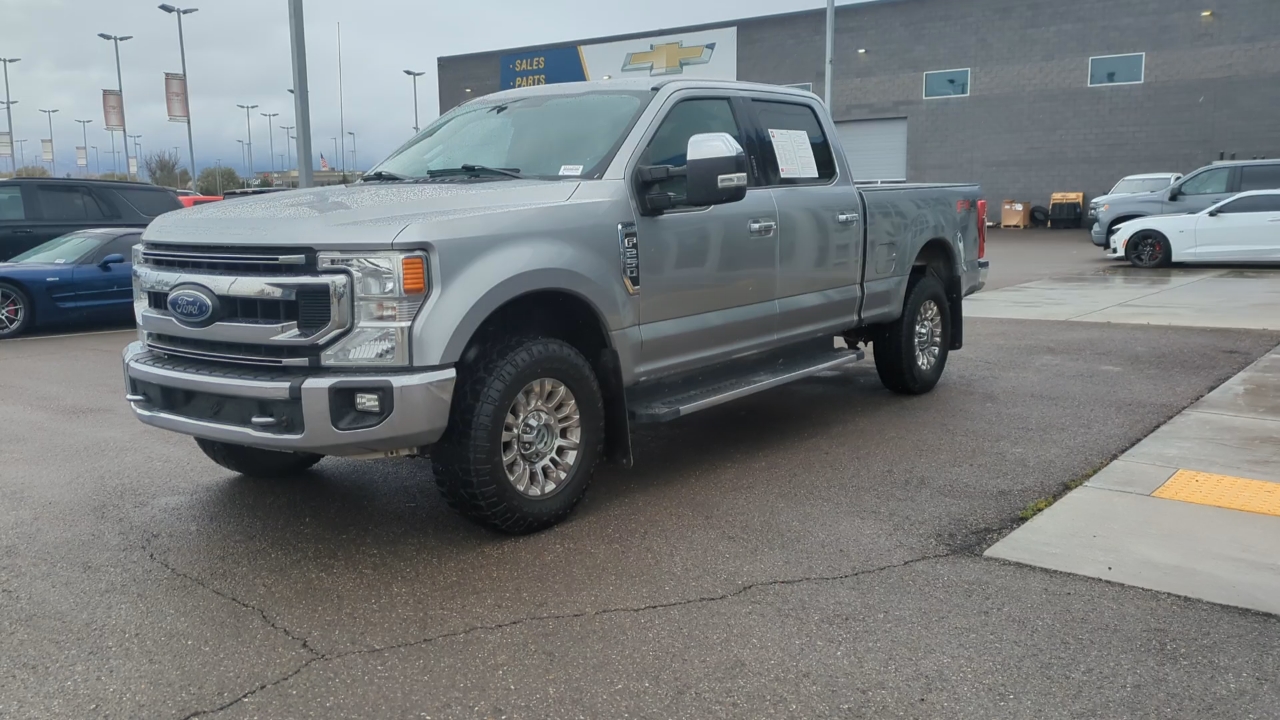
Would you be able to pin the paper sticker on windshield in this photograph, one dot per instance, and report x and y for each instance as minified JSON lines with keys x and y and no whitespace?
{"x":59,"y":261}
{"x":570,"y":169}
{"x":795,"y":154}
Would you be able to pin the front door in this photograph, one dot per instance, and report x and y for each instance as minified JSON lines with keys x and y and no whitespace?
{"x":1201,"y":191}
{"x":1245,"y":229}
{"x":709,"y":273}
{"x":105,"y":292}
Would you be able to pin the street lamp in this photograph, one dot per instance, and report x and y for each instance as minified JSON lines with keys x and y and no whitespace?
{"x":271,"y":143}
{"x":97,"y":160}
{"x":53,"y":157}
{"x":335,"y":153}
{"x":22,"y":152}
{"x":115,"y":163}
{"x":243,"y":163}
{"x":415,"y":76}
{"x":124,"y":127}
{"x":8,"y":104}
{"x":84,"y":130}
{"x":355,"y":166}
{"x":182,"y":52}
{"x":249,"y":128}
{"x":137,"y":152}
{"x":218,"y":168}
{"x":288,"y":151}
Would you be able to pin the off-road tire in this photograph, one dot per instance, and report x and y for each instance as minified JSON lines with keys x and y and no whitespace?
{"x":894,"y":346}
{"x":468,"y":459}
{"x":256,"y":462}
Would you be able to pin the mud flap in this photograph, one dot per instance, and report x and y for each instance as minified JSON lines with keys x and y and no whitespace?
{"x":617,"y":426}
{"x":955,"y":298}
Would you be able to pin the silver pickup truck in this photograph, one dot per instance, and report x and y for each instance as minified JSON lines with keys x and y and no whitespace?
{"x":536,"y":273}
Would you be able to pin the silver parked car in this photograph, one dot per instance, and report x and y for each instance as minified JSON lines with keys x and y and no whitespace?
{"x":1131,"y":185}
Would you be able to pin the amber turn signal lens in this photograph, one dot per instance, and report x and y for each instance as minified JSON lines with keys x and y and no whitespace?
{"x":415,"y":275}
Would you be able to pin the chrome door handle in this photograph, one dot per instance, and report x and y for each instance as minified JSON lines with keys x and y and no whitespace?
{"x":762,"y":227}
{"x":846,"y":218}
{"x":262,"y":421}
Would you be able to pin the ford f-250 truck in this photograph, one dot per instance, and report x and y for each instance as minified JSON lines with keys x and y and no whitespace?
{"x":535,"y":273}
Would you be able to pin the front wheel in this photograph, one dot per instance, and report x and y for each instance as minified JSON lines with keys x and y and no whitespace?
{"x":524,"y":435}
{"x":256,"y":462}
{"x":1148,"y":249}
{"x":15,"y":311}
{"x":911,"y":351}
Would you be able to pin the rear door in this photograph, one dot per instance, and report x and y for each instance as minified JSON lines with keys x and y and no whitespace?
{"x":1246,"y":229}
{"x":819,"y":223}
{"x":1260,"y":177}
{"x":63,"y":208}
{"x":15,"y":223}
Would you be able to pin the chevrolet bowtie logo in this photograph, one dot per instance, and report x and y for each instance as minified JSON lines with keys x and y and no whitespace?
{"x":668,"y":58}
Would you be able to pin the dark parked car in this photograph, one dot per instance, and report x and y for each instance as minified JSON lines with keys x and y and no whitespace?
{"x":36,"y":210}
{"x":83,"y":276}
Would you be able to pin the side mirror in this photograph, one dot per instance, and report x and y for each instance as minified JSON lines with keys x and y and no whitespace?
{"x":1212,"y":213}
{"x":112,"y":259}
{"x":1174,"y":194}
{"x":716,"y":172}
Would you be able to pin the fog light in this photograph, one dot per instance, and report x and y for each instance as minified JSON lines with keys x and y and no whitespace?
{"x":368,"y":403}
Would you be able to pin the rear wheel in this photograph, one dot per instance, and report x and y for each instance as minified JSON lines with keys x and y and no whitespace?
{"x":15,"y":311}
{"x":526,"y":430}
{"x":911,"y":352}
{"x":256,"y":462}
{"x":1148,"y":249}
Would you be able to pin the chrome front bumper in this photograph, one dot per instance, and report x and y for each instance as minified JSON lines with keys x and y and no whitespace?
{"x":418,"y":416}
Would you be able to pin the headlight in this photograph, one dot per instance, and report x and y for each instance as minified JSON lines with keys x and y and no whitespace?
{"x":139,"y":297}
{"x":388,"y":289}
{"x":1104,"y":208}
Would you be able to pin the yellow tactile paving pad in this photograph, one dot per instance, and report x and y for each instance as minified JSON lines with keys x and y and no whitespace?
{"x":1224,"y":491}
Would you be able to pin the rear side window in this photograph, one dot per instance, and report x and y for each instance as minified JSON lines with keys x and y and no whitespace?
{"x":1252,"y":204}
{"x":11,"y":203}
{"x":1260,"y":177}
{"x":796,"y":151}
{"x":150,"y":202}
{"x":68,"y":202}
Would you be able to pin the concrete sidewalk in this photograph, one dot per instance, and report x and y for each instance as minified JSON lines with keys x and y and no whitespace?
{"x":1194,"y":509}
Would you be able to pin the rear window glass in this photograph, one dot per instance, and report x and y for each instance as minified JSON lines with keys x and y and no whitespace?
{"x":149,"y":202}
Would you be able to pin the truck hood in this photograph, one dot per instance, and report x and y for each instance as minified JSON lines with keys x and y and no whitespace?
{"x":349,"y":216}
{"x":1104,"y":199}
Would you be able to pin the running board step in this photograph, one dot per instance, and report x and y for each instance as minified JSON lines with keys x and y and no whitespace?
{"x":702,"y":390}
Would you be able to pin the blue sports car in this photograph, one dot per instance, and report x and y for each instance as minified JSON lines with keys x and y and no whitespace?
{"x":83,"y":276}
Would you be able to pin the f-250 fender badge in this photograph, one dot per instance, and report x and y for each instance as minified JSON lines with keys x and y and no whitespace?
{"x":629,"y":245}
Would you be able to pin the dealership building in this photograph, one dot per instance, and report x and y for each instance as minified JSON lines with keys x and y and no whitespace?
{"x":1027,"y":97}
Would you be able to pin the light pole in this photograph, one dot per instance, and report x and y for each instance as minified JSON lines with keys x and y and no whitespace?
{"x":415,"y":76}
{"x":248,"y":128}
{"x":355,"y":166}
{"x":335,"y":153}
{"x":115,"y":164}
{"x":288,"y":151}
{"x":53,"y":156}
{"x":271,"y":142}
{"x":8,"y":104}
{"x":243,"y":163}
{"x":22,"y":152}
{"x":302,"y":99}
{"x":218,"y":164}
{"x":124,"y":126}
{"x":137,"y":147}
{"x":97,"y":160}
{"x":182,"y":51}
{"x":84,"y":130}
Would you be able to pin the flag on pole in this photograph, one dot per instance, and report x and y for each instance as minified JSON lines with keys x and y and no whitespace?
{"x":324,"y":164}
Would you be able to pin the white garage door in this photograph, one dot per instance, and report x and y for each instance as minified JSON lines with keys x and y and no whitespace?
{"x":876,"y":149}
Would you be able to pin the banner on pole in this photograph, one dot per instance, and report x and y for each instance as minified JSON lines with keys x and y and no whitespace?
{"x":112,"y":110}
{"x":133,"y":165}
{"x":46,"y":150}
{"x":6,"y":145}
{"x":175,"y":97}
{"x":82,"y":157}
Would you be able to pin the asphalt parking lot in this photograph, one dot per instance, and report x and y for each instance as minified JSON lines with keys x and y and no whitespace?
{"x":813,"y":551}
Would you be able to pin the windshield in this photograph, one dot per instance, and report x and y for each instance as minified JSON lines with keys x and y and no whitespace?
{"x":541,"y":136}
{"x":1137,"y":185}
{"x":67,"y":249}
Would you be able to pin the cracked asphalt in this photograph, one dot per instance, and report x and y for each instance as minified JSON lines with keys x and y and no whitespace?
{"x":813,"y":551}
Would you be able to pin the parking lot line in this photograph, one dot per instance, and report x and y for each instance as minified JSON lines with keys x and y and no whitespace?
{"x":70,"y":335}
{"x":1224,"y":491}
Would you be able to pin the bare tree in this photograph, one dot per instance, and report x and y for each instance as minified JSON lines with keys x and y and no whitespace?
{"x":165,"y":169}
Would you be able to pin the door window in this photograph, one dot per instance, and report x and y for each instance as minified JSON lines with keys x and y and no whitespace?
{"x":1252,"y":204}
{"x":670,"y":143}
{"x":11,"y":203}
{"x":122,"y":245}
{"x":1209,"y":182}
{"x":1260,"y":177}
{"x":151,"y":203}
{"x":782,"y":116}
{"x":63,"y":202}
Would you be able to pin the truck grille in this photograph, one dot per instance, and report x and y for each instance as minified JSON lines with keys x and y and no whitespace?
{"x":218,"y":351}
{"x":311,"y":310}
{"x":240,"y":261}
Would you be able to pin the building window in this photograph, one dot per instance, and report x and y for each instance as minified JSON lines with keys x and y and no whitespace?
{"x":946,"y":83}
{"x":1117,"y":69}
{"x":807,"y":87}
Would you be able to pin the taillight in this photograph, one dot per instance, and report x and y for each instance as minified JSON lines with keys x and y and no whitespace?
{"x":982,"y":229}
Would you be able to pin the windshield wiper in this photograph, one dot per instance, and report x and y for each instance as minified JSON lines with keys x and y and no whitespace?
{"x":477,"y":170}
{"x":384,"y":175}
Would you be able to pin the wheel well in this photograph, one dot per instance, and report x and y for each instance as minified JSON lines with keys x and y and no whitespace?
{"x":1111,"y":228}
{"x":935,"y":256}
{"x":567,"y":317}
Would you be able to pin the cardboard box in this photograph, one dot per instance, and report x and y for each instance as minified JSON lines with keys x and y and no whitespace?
{"x":1015,"y":213}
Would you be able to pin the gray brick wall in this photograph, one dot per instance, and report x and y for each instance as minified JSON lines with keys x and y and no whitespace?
{"x":1031,"y":125}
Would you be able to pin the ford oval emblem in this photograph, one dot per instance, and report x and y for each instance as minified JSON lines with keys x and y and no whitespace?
{"x":192,"y":306}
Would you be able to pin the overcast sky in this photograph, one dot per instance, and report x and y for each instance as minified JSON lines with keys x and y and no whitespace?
{"x":238,"y":53}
